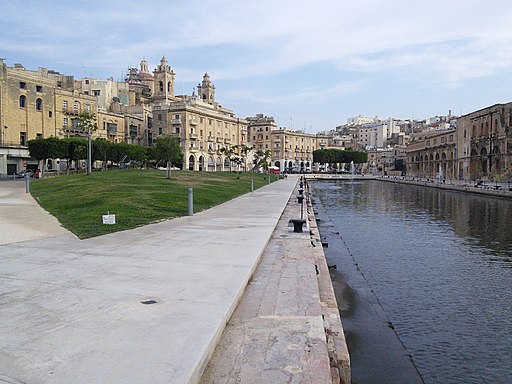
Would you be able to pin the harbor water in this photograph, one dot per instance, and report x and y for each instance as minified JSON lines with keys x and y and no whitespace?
{"x":440,"y":264}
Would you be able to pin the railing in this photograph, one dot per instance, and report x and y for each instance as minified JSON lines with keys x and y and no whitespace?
{"x":12,"y":144}
{"x":175,"y":121}
{"x":71,"y":111}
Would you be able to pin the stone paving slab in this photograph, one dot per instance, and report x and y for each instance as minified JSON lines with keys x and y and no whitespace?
{"x":71,"y":311}
{"x":276,"y":334}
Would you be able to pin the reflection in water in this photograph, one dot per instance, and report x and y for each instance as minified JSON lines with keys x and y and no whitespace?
{"x":440,"y":262}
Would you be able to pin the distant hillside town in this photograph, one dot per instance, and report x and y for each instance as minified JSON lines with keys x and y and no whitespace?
{"x":143,"y":107}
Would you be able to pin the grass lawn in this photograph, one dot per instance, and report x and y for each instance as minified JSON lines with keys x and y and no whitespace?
{"x":136,"y":197}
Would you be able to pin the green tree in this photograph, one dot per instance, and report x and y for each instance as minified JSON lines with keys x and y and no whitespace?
{"x":169,"y":151}
{"x":243,"y":151}
{"x":87,"y":124}
{"x":73,"y":150}
{"x":43,"y":149}
{"x":261,"y":159}
{"x":337,"y":156}
{"x":100,"y":151}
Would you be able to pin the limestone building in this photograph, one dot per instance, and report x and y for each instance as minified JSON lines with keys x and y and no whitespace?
{"x":291,"y":151}
{"x":201,"y":124}
{"x":433,"y":155}
{"x":27,"y":111}
{"x":485,"y":144}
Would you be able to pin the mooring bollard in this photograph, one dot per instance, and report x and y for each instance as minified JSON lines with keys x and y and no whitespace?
{"x":190,"y":202}
{"x":252,"y":185}
{"x":297,"y":225}
{"x":27,"y":183}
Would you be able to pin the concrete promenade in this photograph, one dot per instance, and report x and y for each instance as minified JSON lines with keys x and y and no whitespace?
{"x":146,"y":305}
{"x":286,"y":327}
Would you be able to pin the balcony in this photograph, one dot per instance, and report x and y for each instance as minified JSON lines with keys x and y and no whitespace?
{"x":227,"y":141}
{"x":193,"y":136}
{"x":176,"y":121}
{"x":71,"y":111}
{"x":211,"y":139}
{"x":219,"y":140}
{"x":192,"y":122}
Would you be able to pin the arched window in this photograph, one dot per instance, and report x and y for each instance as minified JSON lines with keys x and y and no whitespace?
{"x":169,"y":86}
{"x":39,"y":104}
{"x":23,"y":101}
{"x":161,"y":86}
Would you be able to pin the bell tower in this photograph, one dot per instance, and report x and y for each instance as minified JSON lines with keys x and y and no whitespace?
{"x":163,"y":77}
{"x":206,"y":90}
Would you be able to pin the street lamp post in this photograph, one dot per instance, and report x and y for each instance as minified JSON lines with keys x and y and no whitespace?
{"x":89,"y":151}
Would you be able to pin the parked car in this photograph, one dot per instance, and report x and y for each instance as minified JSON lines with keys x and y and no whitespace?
{"x":23,"y":174}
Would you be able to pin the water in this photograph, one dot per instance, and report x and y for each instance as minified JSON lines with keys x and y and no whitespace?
{"x":440,"y":263}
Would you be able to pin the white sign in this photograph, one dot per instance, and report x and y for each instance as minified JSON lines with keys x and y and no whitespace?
{"x":109,"y":219}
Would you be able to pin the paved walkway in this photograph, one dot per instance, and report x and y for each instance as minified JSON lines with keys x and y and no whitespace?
{"x":140,"y":306}
{"x":286,"y":327}
{"x":21,"y":218}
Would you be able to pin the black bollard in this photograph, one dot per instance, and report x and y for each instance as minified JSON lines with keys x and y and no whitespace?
{"x":298,"y":224}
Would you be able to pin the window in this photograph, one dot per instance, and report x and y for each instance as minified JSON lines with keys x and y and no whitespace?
{"x":23,"y":101}
{"x":65,"y":105}
{"x":112,"y":129}
{"x":23,"y":138}
{"x":88,"y":108}
{"x":160,"y":131}
{"x":39,"y":135}
{"x":86,"y":81}
{"x":39,"y":104}
{"x":65,"y":122}
{"x":86,"y":92}
{"x":133,"y":130}
{"x":177,"y":129}
{"x":39,"y":88}
{"x":23,"y":85}
{"x":96,"y":92}
{"x":159,"y":117}
{"x":50,"y":114}
{"x":75,"y":106}
{"x":161,"y":86}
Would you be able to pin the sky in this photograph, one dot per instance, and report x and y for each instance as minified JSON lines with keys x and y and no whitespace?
{"x":309,"y":64}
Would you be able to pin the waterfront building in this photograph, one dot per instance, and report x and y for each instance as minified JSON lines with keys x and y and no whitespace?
{"x":291,"y":151}
{"x":27,"y":111}
{"x":138,"y":110}
{"x":375,"y":135}
{"x":202,"y":125}
{"x":432,"y":155}
{"x":485,"y":144}
{"x":69,"y":104}
{"x":380,"y":161}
